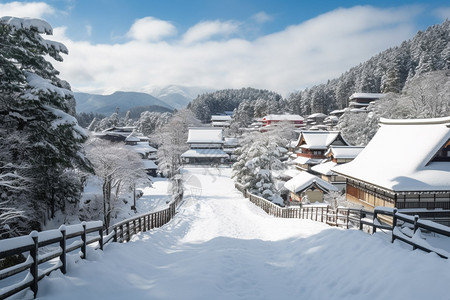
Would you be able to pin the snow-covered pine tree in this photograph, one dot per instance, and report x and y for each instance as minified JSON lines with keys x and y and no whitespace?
{"x":44,"y":140}
{"x":260,"y":155}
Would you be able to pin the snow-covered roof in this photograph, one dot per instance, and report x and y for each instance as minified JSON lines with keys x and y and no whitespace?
{"x":205,"y":135}
{"x":317,"y":115}
{"x":132,"y":138}
{"x":344,"y":151}
{"x":283,"y":118}
{"x":324,"y":168}
{"x":318,"y":139}
{"x":398,"y":158}
{"x":220,"y":123}
{"x":220,"y":118}
{"x":206,"y":153}
{"x":304,"y":180}
{"x":338,"y":111}
{"x":149,"y":164}
{"x":305,"y":160}
{"x":291,"y":173}
{"x":367,"y":96}
{"x":232,"y":141}
{"x":142,"y":148}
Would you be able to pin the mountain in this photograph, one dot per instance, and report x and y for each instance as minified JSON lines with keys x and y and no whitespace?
{"x":176,"y":95}
{"x":107,"y":104}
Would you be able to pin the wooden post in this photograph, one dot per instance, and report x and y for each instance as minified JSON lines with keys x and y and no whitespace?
{"x":128,"y":232}
{"x":100,"y":242}
{"x":348,"y":216}
{"x":84,"y":239}
{"x":416,"y":226}
{"x":374,"y":228}
{"x":62,"y":244}
{"x":34,"y":266}
{"x":115,"y":234}
{"x":394,"y":224}
{"x":122,"y":234}
{"x":360,"y":219}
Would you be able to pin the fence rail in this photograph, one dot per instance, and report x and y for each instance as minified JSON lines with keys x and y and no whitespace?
{"x":380,"y":219}
{"x":66,"y":239}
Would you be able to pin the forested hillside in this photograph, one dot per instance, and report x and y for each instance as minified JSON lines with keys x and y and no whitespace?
{"x":386,"y":72}
{"x":218,"y":102}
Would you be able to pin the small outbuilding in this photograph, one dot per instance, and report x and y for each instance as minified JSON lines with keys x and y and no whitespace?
{"x":306,"y":184}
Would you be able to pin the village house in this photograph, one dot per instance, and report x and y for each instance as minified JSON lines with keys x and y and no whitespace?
{"x":406,"y":165}
{"x":334,"y":156}
{"x":307,"y":186}
{"x":315,"y":119}
{"x":221,"y":121}
{"x":274,"y":119}
{"x":206,"y":145}
{"x":311,"y":146}
{"x":362,"y":100}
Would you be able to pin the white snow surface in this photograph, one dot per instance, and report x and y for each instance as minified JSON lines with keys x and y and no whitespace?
{"x":205,"y":135}
{"x":220,"y":246}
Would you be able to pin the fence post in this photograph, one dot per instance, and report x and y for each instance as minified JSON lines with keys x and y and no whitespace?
{"x":394,"y":224}
{"x":360,"y":219}
{"x":416,"y":226}
{"x":128,"y":231}
{"x":374,"y":228}
{"x":348,"y":216}
{"x":100,"y":242}
{"x":34,"y":266}
{"x":115,"y":234}
{"x":62,"y":244}
{"x":84,"y":239}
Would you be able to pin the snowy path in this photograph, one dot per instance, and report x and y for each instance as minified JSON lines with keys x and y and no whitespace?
{"x":220,"y":246}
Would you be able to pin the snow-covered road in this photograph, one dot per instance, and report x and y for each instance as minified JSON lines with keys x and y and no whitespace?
{"x":220,"y":246}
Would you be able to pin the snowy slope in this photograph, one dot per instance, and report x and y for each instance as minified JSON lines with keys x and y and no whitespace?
{"x":220,"y":246}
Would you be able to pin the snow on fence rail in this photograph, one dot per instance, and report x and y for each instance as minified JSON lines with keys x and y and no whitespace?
{"x":383,"y":218}
{"x":39,"y":248}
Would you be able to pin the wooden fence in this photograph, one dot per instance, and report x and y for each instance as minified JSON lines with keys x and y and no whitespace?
{"x":356,"y":218}
{"x":38,"y":248}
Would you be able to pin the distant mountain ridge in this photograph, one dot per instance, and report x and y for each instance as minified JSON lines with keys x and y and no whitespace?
{"x":176,"y":95}
{"x":159,"y":99}
{"x":107,"y":104}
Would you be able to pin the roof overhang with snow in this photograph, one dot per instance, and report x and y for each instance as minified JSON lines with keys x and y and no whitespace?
{"x":204,"y":153}
{"x":399,"y":157}
{"x":208,"y":135}
{"x":305,"y":180}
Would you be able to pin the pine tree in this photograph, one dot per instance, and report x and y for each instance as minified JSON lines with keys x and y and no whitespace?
{"x":45,"y":141}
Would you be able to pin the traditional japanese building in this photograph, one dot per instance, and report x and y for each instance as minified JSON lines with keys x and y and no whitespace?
{"x":274,"y":119}
{"x":312,"y":145}
{"x":309,"y":186}
{"x":334,"y":156}
{"x":362,"y":100}
{"x":406,"y":165}
{"x":221,"y":121}
{"x":206,"y":145}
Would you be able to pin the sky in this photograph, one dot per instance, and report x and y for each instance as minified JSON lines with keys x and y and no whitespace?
{"x":283,"y":46}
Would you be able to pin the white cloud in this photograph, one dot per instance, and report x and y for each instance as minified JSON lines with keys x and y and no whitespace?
{"x":299,"y":56}
{"x":151,"y":29}
{"x":443,"y":13}
{"x":208,"y":29}
{"x":261,"y":17}
{"x":29,"y":10}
